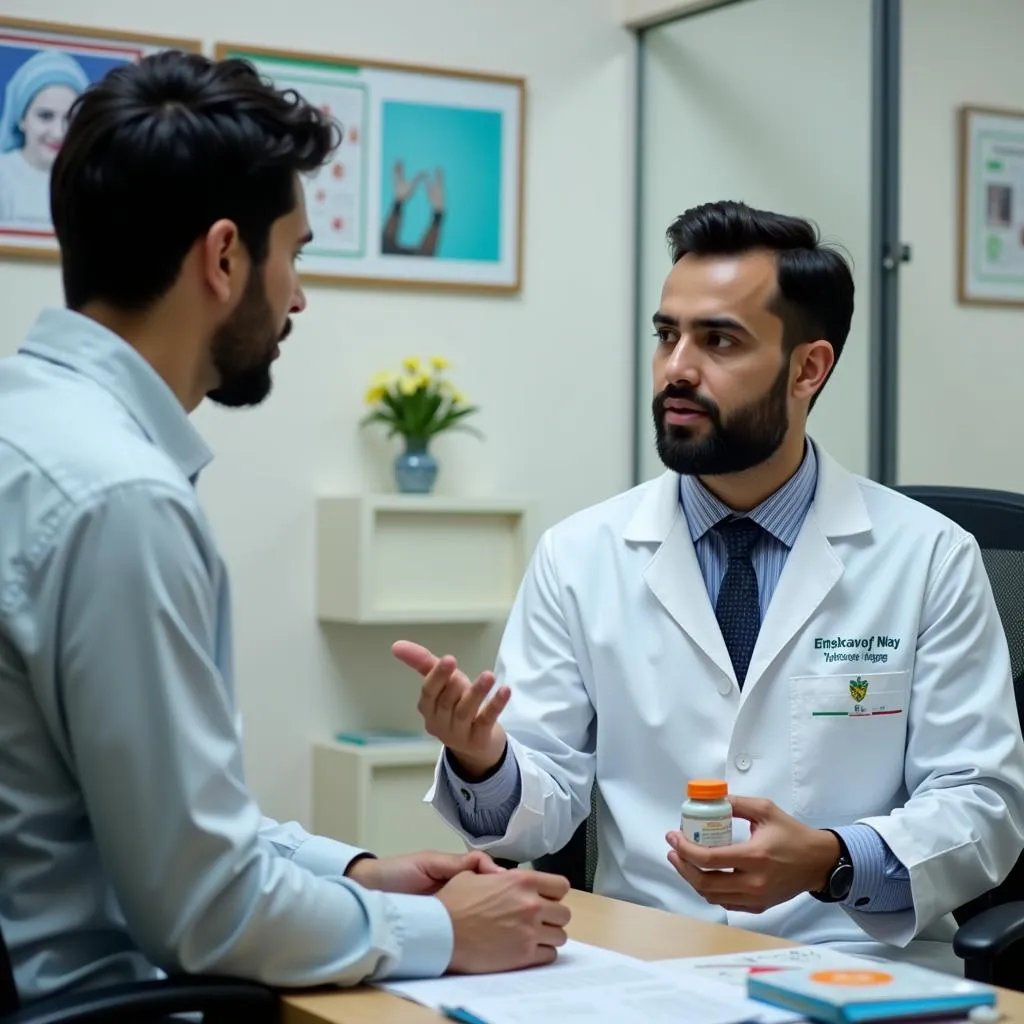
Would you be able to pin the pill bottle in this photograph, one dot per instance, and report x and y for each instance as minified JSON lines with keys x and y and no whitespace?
{"x":707,"y":814}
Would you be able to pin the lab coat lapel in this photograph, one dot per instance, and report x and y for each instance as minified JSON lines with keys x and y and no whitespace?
{"x":813,"y":568}
{"x":673,"y":575}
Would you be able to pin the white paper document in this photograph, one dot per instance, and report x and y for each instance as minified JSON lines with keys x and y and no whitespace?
{"x":735,"y":968}
{"x":592,"y":984}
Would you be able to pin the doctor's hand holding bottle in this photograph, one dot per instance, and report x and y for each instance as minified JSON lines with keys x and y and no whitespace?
{"x":782,"y":858}
{"x":456,"y":711}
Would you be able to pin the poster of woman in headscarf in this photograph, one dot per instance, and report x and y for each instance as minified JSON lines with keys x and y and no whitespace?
{"x":44,"y":68}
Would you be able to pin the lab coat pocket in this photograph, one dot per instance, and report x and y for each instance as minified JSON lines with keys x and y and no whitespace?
{"x":848,"y":737}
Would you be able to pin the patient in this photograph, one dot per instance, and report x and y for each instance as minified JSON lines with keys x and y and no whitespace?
{"x":128,"y":837}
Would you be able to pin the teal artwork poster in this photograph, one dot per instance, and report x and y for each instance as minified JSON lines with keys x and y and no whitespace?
{"x":426,"y":188}
{"x":441,"y":171}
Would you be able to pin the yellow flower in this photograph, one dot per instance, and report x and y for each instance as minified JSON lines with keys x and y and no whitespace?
{"x":412,"y":364}
{"x":439,"y":362}
{"x":375,"y":394}
{"x":384,"y":379}
{"x":411,"y":384}
{"x":458,"y":398}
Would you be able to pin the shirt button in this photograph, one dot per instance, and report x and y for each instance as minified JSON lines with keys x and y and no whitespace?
{"x":465,"y":794}
{"x":743,"y":763}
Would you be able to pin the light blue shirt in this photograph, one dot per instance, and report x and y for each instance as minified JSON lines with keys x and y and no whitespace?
{"x":129,"y":842}
{"x":881,"y":882}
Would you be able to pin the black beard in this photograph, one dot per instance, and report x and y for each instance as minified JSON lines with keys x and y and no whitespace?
{"x":245,"y":380}
{"x":751,"y":435}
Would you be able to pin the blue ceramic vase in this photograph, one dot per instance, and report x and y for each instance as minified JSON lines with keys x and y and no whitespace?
{"x":415,"y":468}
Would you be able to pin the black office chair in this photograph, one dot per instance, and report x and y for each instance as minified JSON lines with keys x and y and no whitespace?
{"x":990,"y":937}
{"x":219,"y":1000}
{"x":577,"y":860}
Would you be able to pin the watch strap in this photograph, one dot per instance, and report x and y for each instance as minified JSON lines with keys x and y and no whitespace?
{"x":842,"y":868}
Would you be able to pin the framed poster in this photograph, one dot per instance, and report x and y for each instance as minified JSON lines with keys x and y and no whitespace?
{"x":426,"y":189}
{"x":44,"y":66}
{"x":991,"y":223}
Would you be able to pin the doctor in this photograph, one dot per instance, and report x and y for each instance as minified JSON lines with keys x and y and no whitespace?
{"x":759,"y":614}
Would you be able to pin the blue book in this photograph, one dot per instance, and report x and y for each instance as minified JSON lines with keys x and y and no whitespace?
{"x":869,"y":991}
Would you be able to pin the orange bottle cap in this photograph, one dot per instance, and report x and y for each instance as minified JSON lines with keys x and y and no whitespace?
{"x":707,"y":789}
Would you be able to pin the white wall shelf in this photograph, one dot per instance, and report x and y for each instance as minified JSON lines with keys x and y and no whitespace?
{"x":372,"y":796}
{"x":397,"y":558}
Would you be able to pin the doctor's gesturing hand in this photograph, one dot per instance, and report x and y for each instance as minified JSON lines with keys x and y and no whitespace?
{"x":454,"y":709}
{"x":781,"y":859}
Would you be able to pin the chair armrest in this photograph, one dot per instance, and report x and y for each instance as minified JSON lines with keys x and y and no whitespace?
{"x":142,"y":1001}
{"x":988,"y":935}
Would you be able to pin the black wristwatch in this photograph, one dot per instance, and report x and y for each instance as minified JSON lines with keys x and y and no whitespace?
{"x":840,"y":879}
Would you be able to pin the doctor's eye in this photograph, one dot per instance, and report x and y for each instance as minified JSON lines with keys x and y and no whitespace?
{"x":717,"y":340}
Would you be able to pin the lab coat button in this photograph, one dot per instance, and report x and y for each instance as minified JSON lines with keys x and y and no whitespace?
{"x":725,"y":686}
{"x":743,"y":763}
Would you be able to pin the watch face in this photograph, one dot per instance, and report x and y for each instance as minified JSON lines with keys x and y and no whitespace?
{"x":841,"y":882}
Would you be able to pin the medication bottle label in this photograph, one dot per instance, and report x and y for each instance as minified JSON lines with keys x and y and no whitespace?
{"x":703,"y":832}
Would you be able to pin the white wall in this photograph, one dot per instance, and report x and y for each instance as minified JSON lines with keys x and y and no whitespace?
{"x":551,"y":367}
{"x":961,"y":417}
{"x":768,"y":102}
{"x":637,"y":13}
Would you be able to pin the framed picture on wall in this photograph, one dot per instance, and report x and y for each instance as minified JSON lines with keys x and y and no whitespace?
{"x":991,"y":243}
{"x":44,"y":66}
{"x":426,"y":188}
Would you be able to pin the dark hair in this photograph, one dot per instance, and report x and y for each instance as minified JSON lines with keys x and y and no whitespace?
{"x":815,"y":286}
{"x":156,"y":152}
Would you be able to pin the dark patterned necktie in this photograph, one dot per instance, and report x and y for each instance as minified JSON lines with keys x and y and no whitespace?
{"x":738,"y":608}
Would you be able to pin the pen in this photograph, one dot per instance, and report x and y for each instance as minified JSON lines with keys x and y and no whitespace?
{"x":459,"y":1014}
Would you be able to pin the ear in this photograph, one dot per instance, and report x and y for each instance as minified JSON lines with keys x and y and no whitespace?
{"x":812,"y":362}
{"x":225,"y":261}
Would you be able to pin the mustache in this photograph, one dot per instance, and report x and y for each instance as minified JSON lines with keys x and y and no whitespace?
{"x":687,"y":395}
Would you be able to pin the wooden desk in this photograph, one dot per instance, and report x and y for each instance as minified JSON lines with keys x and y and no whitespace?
{"x":643,"y":933}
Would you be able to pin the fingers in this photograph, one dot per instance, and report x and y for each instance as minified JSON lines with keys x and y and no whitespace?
{"x":554,"y":915}
{"x":436,"y":671}
{"x":543,"y":955}
{"x":471,"y":699}
{"x":725,"y":889}
{"x":447,"y":865}
{"x":712,"y":885}
{"x":714,"y":858}
{"x":445,"y":675}
{"x":454,"y":689}
{"x":552,"y":937}
{"x":438,"y":678}
{"x":753,"y":809}
{"x":480,"y":863}
{"x":553,"y":887}
{"x":415,"y":656}
{"x":493,"y":708}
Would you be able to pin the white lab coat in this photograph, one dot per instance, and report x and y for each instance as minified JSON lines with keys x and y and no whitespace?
{"x":617,"y":667}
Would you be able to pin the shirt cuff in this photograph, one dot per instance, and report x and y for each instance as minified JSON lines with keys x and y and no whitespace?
{"x":326,"y":858}
{"x":425,"y":933}
{"x":880,"y":882}
{"x":491,"y":792}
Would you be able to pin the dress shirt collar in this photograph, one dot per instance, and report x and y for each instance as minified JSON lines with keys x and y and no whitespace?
{"x":84,"y":346}
{"x":781,"y":514}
